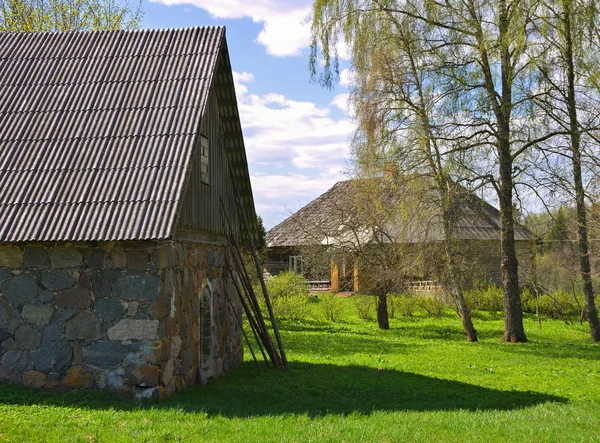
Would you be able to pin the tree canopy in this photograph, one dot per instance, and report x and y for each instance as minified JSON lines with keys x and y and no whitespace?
{"x":68,"y":15}
{"x":483,"y":93}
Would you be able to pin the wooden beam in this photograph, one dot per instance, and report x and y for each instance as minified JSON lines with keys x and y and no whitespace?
{"x":335,"y":280}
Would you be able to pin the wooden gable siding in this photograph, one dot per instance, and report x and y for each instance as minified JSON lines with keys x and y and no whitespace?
{"x":201,"y":206}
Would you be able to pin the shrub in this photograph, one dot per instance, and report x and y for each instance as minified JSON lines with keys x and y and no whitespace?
{"x":558,"y":305}
{"x":332,"y":306}
{"x":434,"y":303}
{"x":364,"y":305}
{"x":392,"y":302}
{"x":289,"y":295}
{"x":404,"y":304}
{"x":488,"y":299}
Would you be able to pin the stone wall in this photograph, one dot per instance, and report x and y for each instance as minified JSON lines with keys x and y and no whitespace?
{"x":122,"y":316}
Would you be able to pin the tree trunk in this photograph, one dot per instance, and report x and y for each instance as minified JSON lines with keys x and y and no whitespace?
{"x":457,"y":295}
{"x":455,"y":289}
{"x":513,"y":311}
{"x":465,"y":315}
{"x":382,"y":312}
{"x":584,"y":253}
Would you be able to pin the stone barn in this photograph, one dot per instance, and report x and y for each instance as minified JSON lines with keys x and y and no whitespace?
{"x":117,"y":152}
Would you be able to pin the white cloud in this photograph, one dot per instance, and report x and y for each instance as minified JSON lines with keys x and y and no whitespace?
{"x":278,"y":196}
{"x":300,"y":149}
{"x":342,"y":101}
{"x":284,"y":32}
{"x":243,"y":77}
{"x":239,"y":78}
{"x":280,"y":130}
{"x":293,"y":187}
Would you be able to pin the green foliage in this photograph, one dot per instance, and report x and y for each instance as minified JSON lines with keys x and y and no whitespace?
{"x":68,"y":15}
{"x":434,"y":303}
{"x":289,"y":295}
{"x":332,"y":306}
{"x":418,"y":381}
{"x":559,"y":228}
{"x":63,"y":15}
{"x":488,"y":299}
{"x":261,"y":246}
{"x":405,"y":304}
{"x":364,"y":304}
{"x":560,"y":304}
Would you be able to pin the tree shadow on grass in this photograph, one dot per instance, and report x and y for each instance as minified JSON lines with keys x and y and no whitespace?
{"x":579,"y":351}
{"x":453,"y":332}
{"x":317,"y":327}
{"x":313,"y":389}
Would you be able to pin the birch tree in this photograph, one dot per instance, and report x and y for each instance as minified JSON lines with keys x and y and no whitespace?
{"x":480,"y":46}
{"x":395,"y":98}
{"x":569,"y":73}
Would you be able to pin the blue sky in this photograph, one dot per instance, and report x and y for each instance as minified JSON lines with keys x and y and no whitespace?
{"x":296,"y":133}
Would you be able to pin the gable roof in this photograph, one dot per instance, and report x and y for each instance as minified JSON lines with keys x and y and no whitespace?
{"x":97,"y":130}
{"x":334,"y":218}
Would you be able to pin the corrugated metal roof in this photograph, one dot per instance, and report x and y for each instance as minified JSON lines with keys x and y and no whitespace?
{"x":335,"y":219}
{"x":97,"y":130}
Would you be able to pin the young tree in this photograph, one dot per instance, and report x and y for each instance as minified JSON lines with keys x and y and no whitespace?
{"x":68,"y":15}
{"x":480,"y":46}
{"x":395,"y":100}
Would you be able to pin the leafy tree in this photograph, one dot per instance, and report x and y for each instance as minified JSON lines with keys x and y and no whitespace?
{"x":399,"y":134}
{"x":261,"y":244}
{"x":68,"y":15}
{"x":559,"y":229}
{"x":479,"y":50}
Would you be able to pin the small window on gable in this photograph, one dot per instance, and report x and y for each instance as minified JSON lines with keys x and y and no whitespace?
{"x":204,"y":159}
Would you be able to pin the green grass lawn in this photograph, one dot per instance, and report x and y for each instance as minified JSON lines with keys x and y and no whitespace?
{"x":419,"y":381}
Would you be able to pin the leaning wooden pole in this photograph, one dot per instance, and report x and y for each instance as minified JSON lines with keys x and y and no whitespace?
{"x":258,"y":269}
{"x":249,"y":314}
{"x":277,"y":360}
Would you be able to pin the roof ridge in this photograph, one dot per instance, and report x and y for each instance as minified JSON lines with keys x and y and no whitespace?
{"x":108,"y":31}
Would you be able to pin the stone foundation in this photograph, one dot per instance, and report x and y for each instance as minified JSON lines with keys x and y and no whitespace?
{"x":124,"y":316}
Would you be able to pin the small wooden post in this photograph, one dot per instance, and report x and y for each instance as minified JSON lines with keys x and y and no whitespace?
{"x":356,"y":277}
{"x":335,"y":276}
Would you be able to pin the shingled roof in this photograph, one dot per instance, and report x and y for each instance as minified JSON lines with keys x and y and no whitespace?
{"x":97,"y":130}
{"x":334,"y":218}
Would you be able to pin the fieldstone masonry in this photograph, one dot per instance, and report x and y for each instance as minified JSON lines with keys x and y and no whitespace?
{"x":115,"y":315}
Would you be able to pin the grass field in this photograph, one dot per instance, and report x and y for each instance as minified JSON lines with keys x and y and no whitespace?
{"x":349,"y":381}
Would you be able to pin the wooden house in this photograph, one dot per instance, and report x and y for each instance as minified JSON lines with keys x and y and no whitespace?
{"x":342,"y":219}
{"x":117,"y":154}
